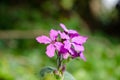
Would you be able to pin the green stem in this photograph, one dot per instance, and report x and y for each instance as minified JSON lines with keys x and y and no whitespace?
{"x":60,"y":66}
{"x":59,"y":61}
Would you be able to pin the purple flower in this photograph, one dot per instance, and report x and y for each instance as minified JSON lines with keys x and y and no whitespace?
{"x":53,"y":44}
{"x":64,"y":52}
{"x":70,"y":43}
{"x":72,"y":39}
{"x":76,"y":40}
{"x":78,"y":54}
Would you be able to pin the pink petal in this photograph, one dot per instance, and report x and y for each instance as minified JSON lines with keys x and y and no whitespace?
{"x":67,"y":44}
{"x":65,"y":55}
{"x":71,"y":51}
{"x":63,"y":27}
{"x":53,"y":34}
{"x":78,"y":47}
{"x":79,"y":39}
{"x":58,"y":45}
{"x":82,"y":56}
{"x":50,"y":50}
{"x":63,"y":35}
{"x":43,"y":39}
{"x":72,"y":32}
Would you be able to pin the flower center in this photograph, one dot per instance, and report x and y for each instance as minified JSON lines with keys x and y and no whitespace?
{"x":52,"y":42}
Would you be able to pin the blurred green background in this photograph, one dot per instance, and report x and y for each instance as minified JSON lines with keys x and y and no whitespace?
{"x":21,"y":21}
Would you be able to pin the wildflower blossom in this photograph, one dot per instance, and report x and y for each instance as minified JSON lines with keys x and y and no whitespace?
{"x":78,"y":54}
{"x":67,"y":44}
{"x":73,"y":40}
{"x":64,"y":52}
{"x":53,"y":44}
{"x":70,"y":43}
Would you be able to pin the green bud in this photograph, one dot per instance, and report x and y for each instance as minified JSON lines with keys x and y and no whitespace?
{"x":49,"y":73}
